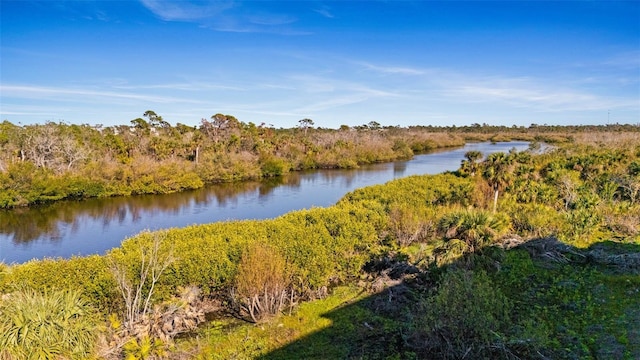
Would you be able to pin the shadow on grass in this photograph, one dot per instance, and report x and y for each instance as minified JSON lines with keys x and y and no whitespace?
{"x":376,"y":327}
{"x":367,"y":328}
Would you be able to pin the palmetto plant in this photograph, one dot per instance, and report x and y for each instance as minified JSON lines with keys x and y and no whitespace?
{"x":50,"y":325}
{"x":471,"y":230}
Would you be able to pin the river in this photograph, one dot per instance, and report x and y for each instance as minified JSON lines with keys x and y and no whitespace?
{"x":68,"y":228}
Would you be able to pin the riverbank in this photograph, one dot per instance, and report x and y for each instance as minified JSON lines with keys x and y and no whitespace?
{"x":68,"y":228}
{"x":52,"y":162}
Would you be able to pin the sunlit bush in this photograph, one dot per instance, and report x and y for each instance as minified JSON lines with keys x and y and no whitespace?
{"x":262,"y":285}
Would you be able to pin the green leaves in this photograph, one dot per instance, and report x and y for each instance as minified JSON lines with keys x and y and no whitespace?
{"x":466,"y":317}
{"x":53,"y":324}
{"x":476,"y":228}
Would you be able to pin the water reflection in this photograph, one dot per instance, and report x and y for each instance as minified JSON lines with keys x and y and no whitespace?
{"x":399,"y":168}
{"x":96,"y":225}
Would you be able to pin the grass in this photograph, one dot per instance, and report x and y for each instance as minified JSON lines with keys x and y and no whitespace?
{"x":235,"y":339}
{"x":589,"y":311}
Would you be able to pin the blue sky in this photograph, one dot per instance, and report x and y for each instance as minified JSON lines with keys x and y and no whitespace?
{"x":335,"y":62}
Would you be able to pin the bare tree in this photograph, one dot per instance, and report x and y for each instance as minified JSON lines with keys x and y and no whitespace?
{"x":138,"y":291}
{"x":71,"y":152}
{"x":630,"y":186}
{"x":39,"y":144}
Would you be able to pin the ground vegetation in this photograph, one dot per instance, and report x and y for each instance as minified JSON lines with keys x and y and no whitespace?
{"x":431,"y":266}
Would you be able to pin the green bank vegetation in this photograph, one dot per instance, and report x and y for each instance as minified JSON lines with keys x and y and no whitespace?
{"x":54,"y":161}
{"x":519,"y":255}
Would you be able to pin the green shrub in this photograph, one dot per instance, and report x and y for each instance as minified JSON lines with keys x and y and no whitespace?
{"x":87,"y":274}
{"x":465,"y":317}
{"x":476,"y":228}
{"x":273,"y":166}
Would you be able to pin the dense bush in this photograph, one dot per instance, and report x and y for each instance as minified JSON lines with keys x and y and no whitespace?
{"x":466,"y":317}
{"x":89,"y":275}
{"x":50,"y":162}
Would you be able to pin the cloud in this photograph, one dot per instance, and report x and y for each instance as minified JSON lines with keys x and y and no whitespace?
{"x":534,"y":95}
{"x":179,"y":86}
{"x":392,"y":69}
{"x":320,"y":93}
{"x":186,"y":10}
{"x":627,"y":60}
{"x":528,"y":94}
{"x":324,"y":11}
{"x":332,"y":102}
{"x":267,"y":112}
{"x":74,"y":94}
{"x":225,"y":16}
{"x":271,"y":19}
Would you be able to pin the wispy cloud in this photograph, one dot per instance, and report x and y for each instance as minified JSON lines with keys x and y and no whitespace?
{"x":324,"y":11}
{"x":31,"y":53}
{"x":248,"y":110}
{"x":98,"y":15}
{"x":392,"y":69}
{"x":627,"y":60}
{"x":180,"y":86}
{"x":332,"y":102}
{"x":225,"y":16}
{"x":271,"y":19}
{"x":186,"y":10}
{"x":538,"y":95}
{"x":320,"y":93}
{"x":75,"y":94}
{"x":534,"y":93}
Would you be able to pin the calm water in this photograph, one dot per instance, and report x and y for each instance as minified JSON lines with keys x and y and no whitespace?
{"x":93,"y":226}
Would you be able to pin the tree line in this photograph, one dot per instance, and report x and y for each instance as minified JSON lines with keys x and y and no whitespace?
{"x":54,"y":161}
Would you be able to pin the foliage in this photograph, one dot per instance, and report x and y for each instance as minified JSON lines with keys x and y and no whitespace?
{"x":55,"y":161}
{"x":408,"y":225}
{"x":90,"y":275}
{"x":466,"y":317}
{"x":144,"y":349}
{"x":53,"y":324}
{"x":468,"y":231}
{"x":332,"y":332}
{"x":588,"y":311}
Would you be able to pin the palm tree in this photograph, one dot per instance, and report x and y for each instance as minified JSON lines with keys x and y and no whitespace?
{"x":470,"y":165}
{"x":497,"y":172}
